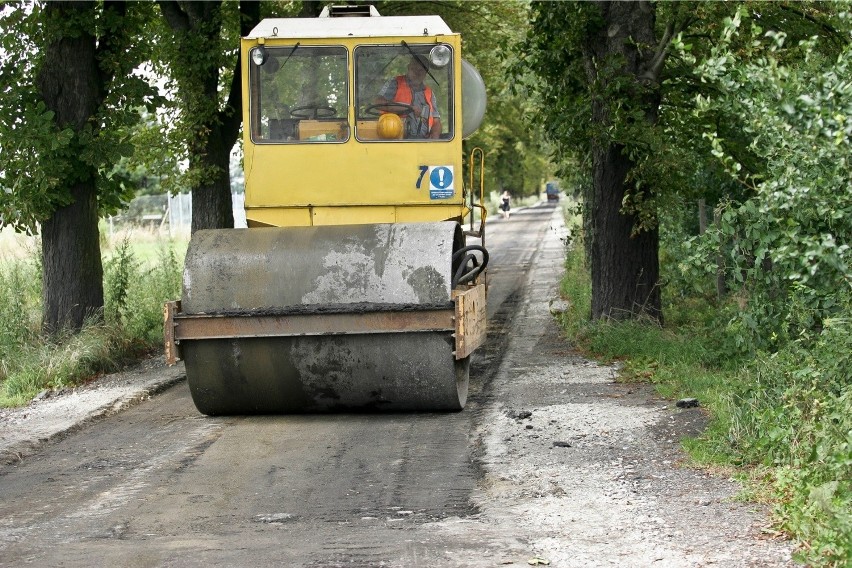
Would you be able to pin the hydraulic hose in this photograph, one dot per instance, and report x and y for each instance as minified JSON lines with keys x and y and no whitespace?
{"x":469,"y":265}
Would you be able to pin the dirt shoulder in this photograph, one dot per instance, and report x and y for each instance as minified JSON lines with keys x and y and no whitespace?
{"x":54,"y":414}
{"x":588,"y":472}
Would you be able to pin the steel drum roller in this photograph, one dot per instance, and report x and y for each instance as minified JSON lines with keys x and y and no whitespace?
{"x":318,"y":272}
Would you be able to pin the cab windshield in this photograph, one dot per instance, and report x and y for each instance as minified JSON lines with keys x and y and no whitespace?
{"x":401,"y":94}
{"x":299,"y":94}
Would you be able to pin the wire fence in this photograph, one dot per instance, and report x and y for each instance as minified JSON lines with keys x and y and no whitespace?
{"x":170,"y":214}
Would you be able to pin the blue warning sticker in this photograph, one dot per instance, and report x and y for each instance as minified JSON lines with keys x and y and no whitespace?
{"x":441,"y":182}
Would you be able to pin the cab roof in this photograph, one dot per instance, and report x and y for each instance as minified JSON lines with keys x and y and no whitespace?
{"x":379,"y":26}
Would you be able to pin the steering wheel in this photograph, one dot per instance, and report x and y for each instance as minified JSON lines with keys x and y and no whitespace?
{"x":402,"y":109}
{"x":312,"y":111}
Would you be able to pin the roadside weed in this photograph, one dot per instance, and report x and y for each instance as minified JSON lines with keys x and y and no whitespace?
{"x":135,"y":291}
{"x":134,"y":294}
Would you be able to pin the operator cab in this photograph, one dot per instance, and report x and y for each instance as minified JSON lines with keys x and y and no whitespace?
{"x":300,"y":94}
{"x":356,"y":120}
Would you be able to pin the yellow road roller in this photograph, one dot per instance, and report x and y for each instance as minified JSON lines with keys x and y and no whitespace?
{"x":359,"y":282}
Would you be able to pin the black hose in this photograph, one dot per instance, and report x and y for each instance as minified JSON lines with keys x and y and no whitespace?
{"x":469,"y":266}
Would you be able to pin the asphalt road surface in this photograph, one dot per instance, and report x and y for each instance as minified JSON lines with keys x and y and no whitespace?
{"x":161,"y":485}
{"x":553,"y":462}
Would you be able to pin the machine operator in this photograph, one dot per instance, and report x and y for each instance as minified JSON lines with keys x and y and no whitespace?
{"x":425,"y":119}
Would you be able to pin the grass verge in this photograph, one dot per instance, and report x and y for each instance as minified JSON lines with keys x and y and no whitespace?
{"x":134,"y":292}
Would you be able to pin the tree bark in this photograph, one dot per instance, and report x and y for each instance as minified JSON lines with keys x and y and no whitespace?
{"x":625,"y":266}
{"x":72,"y":86}
{"x":72,"y":288}
{"x":212,"y":206}
{"x":624,"y":256}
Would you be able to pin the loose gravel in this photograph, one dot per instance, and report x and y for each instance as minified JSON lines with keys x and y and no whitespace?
{"x":587,"y":472}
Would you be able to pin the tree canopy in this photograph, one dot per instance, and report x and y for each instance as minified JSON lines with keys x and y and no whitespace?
{"x":626,"y":91}
{"x":68,"y":77}
{"x":45,"y":149}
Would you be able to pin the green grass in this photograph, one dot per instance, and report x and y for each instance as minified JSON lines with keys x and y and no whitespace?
{"x":781,"y":421}
{"x":141,"y":271}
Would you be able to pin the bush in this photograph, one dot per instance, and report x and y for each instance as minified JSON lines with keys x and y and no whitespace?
{"x":792,"y":416}
{"x":787,"y":245}
{"x":20,"y":304}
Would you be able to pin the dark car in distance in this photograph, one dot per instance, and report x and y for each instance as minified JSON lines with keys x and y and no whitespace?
{"x":552,"y":191}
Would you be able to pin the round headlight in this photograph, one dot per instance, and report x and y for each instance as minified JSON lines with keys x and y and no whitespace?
{"x":440,"y":55}
{"x":259,"y":55}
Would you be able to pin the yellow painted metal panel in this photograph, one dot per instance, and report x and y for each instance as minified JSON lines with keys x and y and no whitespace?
{"x":426,"y":214}
{"x":387,"y":178}
{"x":278,"y":217}
{"x":347,"y":174}
{"x":352,"y":215}
{"x":305,"y":216}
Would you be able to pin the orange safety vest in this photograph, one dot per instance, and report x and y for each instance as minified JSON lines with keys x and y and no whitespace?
{"x":404,"y":95}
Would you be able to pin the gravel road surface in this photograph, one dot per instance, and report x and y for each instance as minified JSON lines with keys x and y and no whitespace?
{"x":552,"y":463}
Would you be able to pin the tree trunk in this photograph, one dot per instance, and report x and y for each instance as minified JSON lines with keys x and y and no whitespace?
{"x":625,"y":261}
{"x":71,"y":85}
{"x":217,"y":129}
{"x":212,"y":206}
{"x":625,"y":266}
{"x":71,"y":257}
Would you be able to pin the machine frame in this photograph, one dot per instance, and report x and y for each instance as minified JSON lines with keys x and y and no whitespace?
{"x":353,"y":186}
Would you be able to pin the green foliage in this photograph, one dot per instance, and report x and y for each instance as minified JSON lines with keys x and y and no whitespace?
{"x":119,"y":272}
{"x":683,"y":359}
{"x":152,"y":287}
{"x":786,"y":245}
{"x":61,"y":361}
{"x":194,"y":51}
{"x":515,"y":146}
{"x":41,"y":159}
{"x":576,"y":285}
{"x":549,"y":66}
{"x":135,"y":292}
{"x":20,"y":315}
{"x":792,"y":415}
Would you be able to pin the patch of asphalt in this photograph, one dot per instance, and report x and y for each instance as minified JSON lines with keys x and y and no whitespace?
{"x":582,"y":471}
{"x":53,"y":415}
